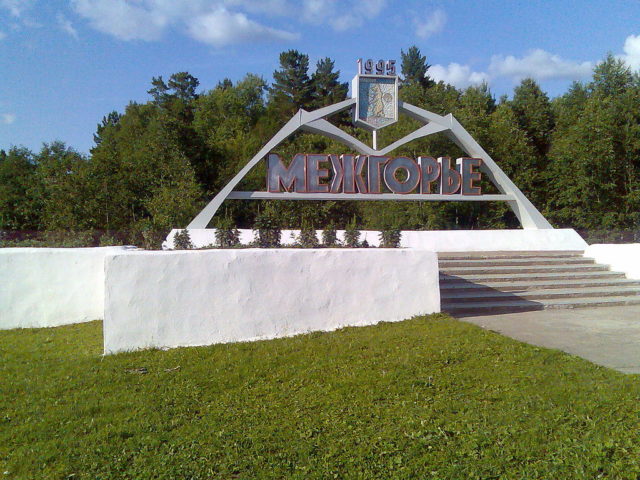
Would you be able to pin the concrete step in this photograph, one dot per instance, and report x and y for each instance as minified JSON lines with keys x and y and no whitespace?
{"x":453,"y":299}
{"x":463,"y":271}
{"x":488,"y":308}
{"x":504,"y":254}
{"x":461,"y":285}
{"x":507,"y":278}
{"x":509,"y":262}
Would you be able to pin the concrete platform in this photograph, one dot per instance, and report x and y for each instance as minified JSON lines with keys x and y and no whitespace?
{"x":608,"y":336}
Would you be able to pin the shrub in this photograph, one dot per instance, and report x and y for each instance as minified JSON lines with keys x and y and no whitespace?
{"x":267,"y":232}
{"x":107,"y":240}
{"x":390,"y":238}
{"x":227,"y":235}
{"x":307,"y":237}
{"x":352,"y":234}
{"x":182,"y":240}
{"x":330,"y":236}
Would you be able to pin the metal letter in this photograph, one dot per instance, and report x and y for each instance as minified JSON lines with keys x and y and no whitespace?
{"x":375,"y":162}
{"x":430,"y":173}
{"x":338,"y":174}
{"x":353,"y":167}
{"x":449,"y":177}
{"x":315,"y":174}
{"x":278,"y":175}
{"x":413,"y":175}
{"x":391,"y":67}
{"x":368,"y":66}
{"x":469,"y":175}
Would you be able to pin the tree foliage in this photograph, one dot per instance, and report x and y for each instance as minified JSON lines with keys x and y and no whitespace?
{"x":414,"y":68}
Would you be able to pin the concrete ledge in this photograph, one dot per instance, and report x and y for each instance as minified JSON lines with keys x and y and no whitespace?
{"x":623,"y":258}
{"x":434,"y":240}
{"x":182,"y":298}
{"x":47,"y":287}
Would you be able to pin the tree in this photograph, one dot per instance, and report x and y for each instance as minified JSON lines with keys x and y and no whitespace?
{"x":474,"y":108}
{"x":535,"y":116}
{"x":567,"y":107}
{"x":63,"y":188}
{"x":327,"y":89}
{"x":159,"y":90}
{"x":291,"y":89}
{"x":224,"y":84}
{"x":414,"y":68}
{"x":139,"y":173}
{"x":109,"y":121}
{"x":511,"y":150}
{"x":586,"y":171}
{"x":225,"y":119}
{"x":18,"y":209}
{"x":181,"y":85}
{"x":184,"y":86}
{"x":611,"y":77}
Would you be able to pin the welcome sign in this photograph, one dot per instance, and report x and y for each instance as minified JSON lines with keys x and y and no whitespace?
{"x":373,"y":174}
{"x":353,"y":174}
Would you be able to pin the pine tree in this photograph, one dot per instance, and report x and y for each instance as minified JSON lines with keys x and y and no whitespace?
{"x":291,"y":89}
{"x":108,"y":121}
{"x":414,"y":68}
{"x":183,"y":85}
{"x":159,"y":90}
{"x":327,"y":88}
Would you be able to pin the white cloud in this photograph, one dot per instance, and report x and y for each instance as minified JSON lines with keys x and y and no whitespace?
{"x":7,"y":118}
{"x":340,"y":15}
{"x":208,"y":21}
{"x":355,"y":16}
{"x":539,"y":65}
{"x":458,"y":75}
{"x":16,"y":7}
{"x":122,"y":19}
{"x":631,"y":50}
{"x":434,"y":24}
{"x":278,"y":8}
{"x":317,"y":10}
{"x":220,"y":22}
{"x":66,"y":26}
{"x":222,"y":27}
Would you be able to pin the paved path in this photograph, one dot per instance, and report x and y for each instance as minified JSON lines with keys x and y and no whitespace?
{"x":608,"y":336}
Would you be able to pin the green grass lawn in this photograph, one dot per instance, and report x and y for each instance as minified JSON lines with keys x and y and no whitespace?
{"x":430,"y":397}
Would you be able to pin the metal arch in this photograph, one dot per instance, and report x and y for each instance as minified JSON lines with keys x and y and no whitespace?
{"x":315,"y":122}
{"x":300,"y":118}
{"x":527,"y":213}
{"x":331,"y":131}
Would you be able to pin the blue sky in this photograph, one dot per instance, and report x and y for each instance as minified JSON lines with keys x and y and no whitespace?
{"x":64,"y":64}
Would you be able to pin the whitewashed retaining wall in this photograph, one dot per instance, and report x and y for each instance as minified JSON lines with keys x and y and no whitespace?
{"x":46,"y":287}
{"x":181,"y":298}
{"x":622,"y":258}
{"x":434,"y":240}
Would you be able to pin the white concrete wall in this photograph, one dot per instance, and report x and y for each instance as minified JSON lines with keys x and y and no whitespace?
{"x":620,"y":257}
{"x":181,"y":298}
{"x":46,"y":287}
{"x":434,"y":240}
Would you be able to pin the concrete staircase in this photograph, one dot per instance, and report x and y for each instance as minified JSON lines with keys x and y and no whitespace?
{"x":485,"y":283}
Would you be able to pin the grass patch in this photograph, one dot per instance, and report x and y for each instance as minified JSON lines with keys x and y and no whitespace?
{"x":426,"y":398}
